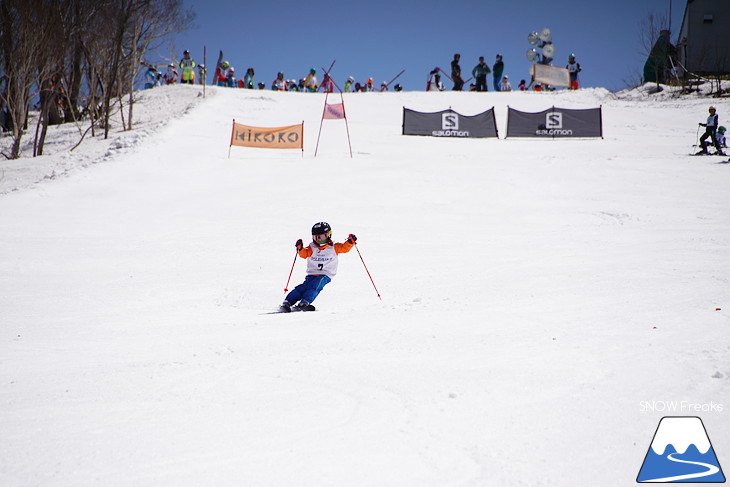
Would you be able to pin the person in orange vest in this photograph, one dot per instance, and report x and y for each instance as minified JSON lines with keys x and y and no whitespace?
{"x":322,"y":260}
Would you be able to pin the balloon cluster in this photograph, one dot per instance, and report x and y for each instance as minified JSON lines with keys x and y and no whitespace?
{"x":543,"y":40}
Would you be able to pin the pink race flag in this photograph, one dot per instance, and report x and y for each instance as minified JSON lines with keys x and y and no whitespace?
{"x":334,"y":111}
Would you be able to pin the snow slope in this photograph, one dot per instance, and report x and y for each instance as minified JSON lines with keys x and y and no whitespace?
{"x":534,"y":293}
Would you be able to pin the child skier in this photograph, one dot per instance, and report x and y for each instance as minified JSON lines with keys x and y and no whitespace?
{"x":231,"y":77}
{"x":171,"y":75}
{"x":322,"y":261}
{"x":505,"y":85}
{"x":150,"y":78}
{"x":720,"y":136}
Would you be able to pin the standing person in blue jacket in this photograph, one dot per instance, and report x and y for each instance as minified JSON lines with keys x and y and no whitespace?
{"x":497,"y":71}
{"x":713,"y":122}
{"x":480,"y":73}
{"x":322,"y":260}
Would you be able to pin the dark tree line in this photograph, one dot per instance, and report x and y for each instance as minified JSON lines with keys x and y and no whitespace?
{"x":77,"y":59}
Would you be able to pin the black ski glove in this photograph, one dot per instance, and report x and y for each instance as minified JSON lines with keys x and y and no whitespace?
{"x":299,"y":245}
{"x":352,"y":239}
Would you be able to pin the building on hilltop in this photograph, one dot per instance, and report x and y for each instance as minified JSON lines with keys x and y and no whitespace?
{"x":703,"y":46}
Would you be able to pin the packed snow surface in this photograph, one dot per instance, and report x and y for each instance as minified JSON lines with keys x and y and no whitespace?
{"x":537,"y":296}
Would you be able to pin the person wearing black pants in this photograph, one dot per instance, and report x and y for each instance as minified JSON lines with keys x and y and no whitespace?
{"x":710,"y":129}
{"x":480,"y":73}
{"x":456,"y":73}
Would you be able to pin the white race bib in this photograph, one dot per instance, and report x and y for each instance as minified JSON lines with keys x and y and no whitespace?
{"x":323,"y":262}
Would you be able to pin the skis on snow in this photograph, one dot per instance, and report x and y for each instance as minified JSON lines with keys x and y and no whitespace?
{"x":292,"y":309}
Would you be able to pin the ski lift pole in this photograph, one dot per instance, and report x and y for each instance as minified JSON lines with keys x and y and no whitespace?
{"x":366,"y":270}
{"x":286,"y":288}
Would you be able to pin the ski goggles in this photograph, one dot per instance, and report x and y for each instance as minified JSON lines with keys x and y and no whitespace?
{"x":321,"y":238}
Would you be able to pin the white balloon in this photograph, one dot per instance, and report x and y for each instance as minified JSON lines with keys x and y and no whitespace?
{"x":545,"y":35}
{"x":548,"y":50}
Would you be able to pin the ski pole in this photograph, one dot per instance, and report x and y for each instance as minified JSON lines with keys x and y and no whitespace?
{"x":697,"y":137}
{"x":366,"y":270}
{"x":286,"y":288}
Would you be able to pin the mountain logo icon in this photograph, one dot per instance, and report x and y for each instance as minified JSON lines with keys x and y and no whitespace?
{"x":680,"y":452}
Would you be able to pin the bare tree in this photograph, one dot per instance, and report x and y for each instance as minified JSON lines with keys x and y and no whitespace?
{"x":50,"y":66}
{"x":151,"y":22}
{"x":21,"y":45}
{"x":93,"y":47}
{"x":79,"y":15}
{"x":127,"y":29}
{"x":721,"y":63}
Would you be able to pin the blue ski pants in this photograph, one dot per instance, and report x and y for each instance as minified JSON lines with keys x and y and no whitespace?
{"x":308,"y":290}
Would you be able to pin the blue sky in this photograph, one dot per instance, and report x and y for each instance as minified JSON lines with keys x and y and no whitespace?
{"x":378,"y":39}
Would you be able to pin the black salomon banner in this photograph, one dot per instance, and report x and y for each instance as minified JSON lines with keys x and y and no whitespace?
{"x":555,"y":122}
{"x":448,"y":123}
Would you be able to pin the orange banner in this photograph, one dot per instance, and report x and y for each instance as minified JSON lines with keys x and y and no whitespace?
{"x":291,"y":137}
